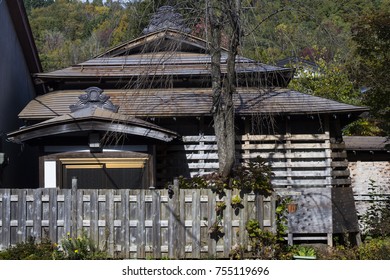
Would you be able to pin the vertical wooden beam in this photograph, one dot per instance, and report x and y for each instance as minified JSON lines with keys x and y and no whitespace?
{"x":247,"y":141}
{"x":67,"y":210}
{"x":259,"y":200}
{"x":37,"y":210}
{"x":243,"y":220}
{"x":288,"y":152}
{"x":152,"y":167}
{"x":181,"y":229}
{"x":156,"y":230}
{"x":125,"y":231}
{"x":196,"y":228}
{"x":74,"y":204}
{"x":330,"y":239}
{"x":328,"y":153}
{"x":6,"y":217}
{"x":94,"y":223}
{"x":21,"y":236}
{"x":290,"y":239}
{"x":53,"y":208}
{"x":273,"y":213}
{"x":110,"y":220}
{"x":212,"y":246}
{"x":173,"y":223}
{"x":141,"y":225}
{"x":227,"y":220}
{"x":80,"y":213}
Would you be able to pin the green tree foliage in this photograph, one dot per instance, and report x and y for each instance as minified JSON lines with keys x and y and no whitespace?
{"x":330,"y":81}
{"x":68,"y":32}
{"x":32,"y":4}
{"x":348,"y":39}
{"x":369,"y":67}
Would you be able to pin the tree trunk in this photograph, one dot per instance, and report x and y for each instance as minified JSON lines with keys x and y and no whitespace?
{"x":220,"y":13}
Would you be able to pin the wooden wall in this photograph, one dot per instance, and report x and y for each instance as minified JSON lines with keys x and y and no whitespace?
{"x":297,"y":160}
{"x":16,"y":90}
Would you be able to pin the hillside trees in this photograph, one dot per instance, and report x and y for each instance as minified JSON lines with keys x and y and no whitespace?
{"x":323,"y":31}
{"x":67,"y":32}
{"x":371,"y":36}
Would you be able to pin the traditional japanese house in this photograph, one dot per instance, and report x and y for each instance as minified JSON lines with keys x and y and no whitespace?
{"x":139,"y":115}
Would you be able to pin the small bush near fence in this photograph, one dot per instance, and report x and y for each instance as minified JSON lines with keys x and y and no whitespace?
{"x":374,"y":249}
{"x":80,"y":248}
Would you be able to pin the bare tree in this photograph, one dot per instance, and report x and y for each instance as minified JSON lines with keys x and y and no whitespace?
{"x":224,"y":16}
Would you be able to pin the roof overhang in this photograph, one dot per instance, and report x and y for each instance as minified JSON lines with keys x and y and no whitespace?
{"x":96,"y":120}
{"x":189,"y":102}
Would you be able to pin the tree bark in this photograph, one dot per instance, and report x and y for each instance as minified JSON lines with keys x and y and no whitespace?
{"x":221,"y":13}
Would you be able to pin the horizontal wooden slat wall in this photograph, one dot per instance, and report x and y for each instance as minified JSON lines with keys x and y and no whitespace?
{"x":302,"y":160}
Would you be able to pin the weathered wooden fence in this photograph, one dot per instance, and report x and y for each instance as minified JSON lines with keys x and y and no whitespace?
{"x":132,"y":223}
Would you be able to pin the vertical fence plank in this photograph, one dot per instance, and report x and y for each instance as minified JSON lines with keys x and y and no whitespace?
{"x":196,"y":245}
{"x":125,"y":230}
{"x":74,"y":209}
{"x":212,"y":218}
{"x":37,"y":210}
{"x":181,"y":226}
{"x":174,"y":216}
{"x":67,"y":210}
{"x":273,"y":213}
{"x":94,"y":219}
{"x":259,"y":200}
{"x":110,"y":220}
{"x":141,"y":225}
{"x":156,"y":229}
{"x":30,"y":212}
{"x":21,"y":216}
{"x":45,"y":214}
{"x":6,"y":218}
{"x":243,"y":220}
{"x":227,"y":219}
{"x":80,"y":214}
{"x":53,"y":215}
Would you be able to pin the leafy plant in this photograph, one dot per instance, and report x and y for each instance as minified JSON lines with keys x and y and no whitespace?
{"x":376,"y":220}
{"x":219,"y":207}
{"x":304,"y":251}
{"x":254,"y":176}
{"x":215,"y":230}
{"x":281,"y":217}
{"x":264,"y":244}
{"x":236,"y":202}
{"x":30,"y":250}
{"x":82,"y":248}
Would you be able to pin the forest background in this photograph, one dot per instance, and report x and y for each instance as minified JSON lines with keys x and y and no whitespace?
{"x":347,"y":41}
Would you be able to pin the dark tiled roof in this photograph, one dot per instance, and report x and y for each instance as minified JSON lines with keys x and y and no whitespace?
{"x":190,"y":102}
{"x":367,"y":143}
{"x":156,"y":64}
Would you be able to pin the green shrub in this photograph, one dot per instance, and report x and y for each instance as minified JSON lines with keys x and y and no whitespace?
{"x":371,"y":249}
{"x":30,"y":250}
{"x":82,"y":248}
{"x":376,"y":219}
{"x":375,"y":249}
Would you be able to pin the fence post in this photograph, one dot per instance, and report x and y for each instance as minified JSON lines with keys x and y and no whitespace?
{"x":174,"y":219}
{"x":73,"y":221}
